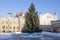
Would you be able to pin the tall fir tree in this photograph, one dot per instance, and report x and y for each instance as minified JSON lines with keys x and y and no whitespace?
{"x":32,"y":20}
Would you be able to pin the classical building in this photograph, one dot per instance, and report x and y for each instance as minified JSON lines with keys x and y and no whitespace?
{"x":45,"y":21}
{"x":16,"y":23}
{"x":11,"y":23}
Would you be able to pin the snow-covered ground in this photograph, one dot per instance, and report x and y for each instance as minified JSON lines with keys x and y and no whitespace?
{"x":42,"y":35}
{"x":12,"y":33}
{"x":8,"y":35}
{"x":51,"y":34}
{"x":47,"y":33}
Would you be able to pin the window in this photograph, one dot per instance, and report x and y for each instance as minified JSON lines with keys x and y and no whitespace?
{"x":9,"y":31}
{"x":3,"y":27}
{"x":3,"y":31}
{"x":13,"y":27}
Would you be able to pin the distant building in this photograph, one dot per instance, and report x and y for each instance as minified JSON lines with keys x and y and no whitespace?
{"x":45,"y":21}
{"x":56,"y":25}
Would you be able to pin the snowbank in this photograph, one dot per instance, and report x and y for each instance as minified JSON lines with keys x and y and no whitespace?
{"x":17,"y":32}
{"x":8,"y":35}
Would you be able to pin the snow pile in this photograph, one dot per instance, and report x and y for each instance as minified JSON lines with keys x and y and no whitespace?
{"x":7,"y":35}
{"x":12,"y":33}
{"x":17,"y":32}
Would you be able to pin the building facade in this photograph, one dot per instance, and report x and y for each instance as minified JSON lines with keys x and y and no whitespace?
{"x":16,"y":23}
{"x":56,"y":25}
{"x":11,"y":23}
{"x":45,"y":21}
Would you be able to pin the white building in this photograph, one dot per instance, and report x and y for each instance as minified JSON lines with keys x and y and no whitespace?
{"x":11,"y":23}
{"x":45,"y":20}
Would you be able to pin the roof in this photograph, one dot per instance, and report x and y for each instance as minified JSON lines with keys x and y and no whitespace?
{"x":19,"y":14}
